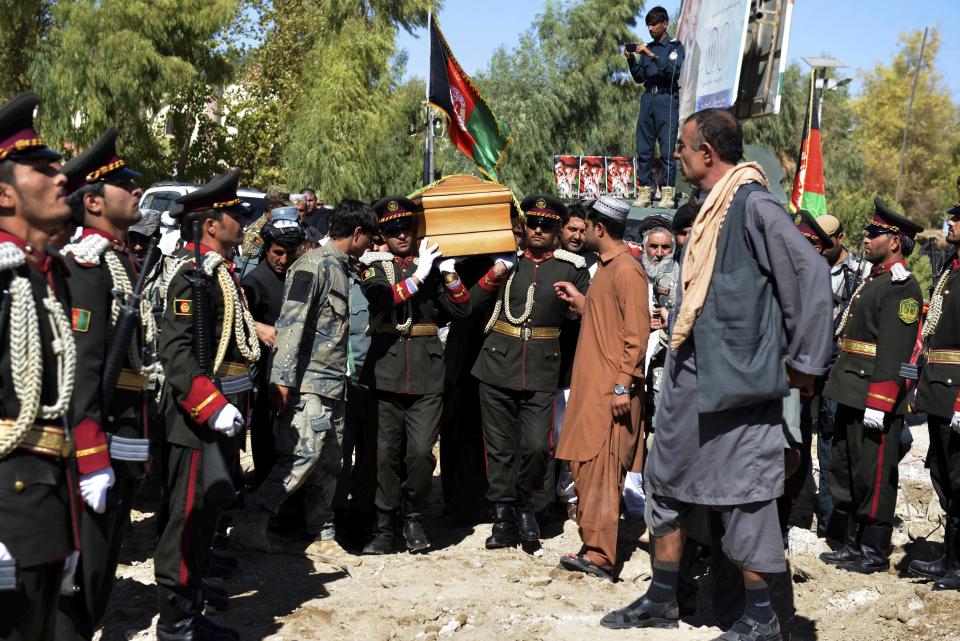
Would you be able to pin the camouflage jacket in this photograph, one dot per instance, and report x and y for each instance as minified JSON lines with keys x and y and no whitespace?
{"x":313,"y":331}
{"x":252,"y":241}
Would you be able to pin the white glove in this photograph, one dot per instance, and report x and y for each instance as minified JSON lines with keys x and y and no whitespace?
{"x":94,"y":487}
{"x":955,"y":422}
{"x":448,"y":265}
{"x":227,"y":420}
{"x":67,"y":586}
{"x":507,"y":259}
{"x":427,"y":255}
{"x":873,"y":419}
{"x":5,"y":553}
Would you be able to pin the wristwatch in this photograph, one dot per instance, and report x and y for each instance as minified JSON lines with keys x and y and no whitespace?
{"x":620,"y":390}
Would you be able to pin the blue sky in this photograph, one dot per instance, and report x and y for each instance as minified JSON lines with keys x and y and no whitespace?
{"x":860,"y":32}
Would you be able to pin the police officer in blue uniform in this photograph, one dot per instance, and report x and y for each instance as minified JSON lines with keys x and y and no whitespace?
{"x":656,"y":66}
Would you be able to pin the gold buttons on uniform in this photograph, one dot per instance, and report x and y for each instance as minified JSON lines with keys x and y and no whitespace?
{"x":18,"y":486}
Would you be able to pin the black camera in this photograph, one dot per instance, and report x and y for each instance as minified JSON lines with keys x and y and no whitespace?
{"x":630,"y":47}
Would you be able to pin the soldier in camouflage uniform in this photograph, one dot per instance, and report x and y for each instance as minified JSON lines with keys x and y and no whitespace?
{"x":308,"y":383}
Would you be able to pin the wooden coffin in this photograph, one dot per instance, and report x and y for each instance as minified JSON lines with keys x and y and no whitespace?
{"x":466,"y":216}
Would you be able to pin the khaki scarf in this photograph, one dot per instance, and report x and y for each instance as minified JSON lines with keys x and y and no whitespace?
{"x":701,"y":251}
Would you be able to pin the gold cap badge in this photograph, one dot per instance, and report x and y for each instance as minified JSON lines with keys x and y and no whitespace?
{"x":393,"y":206}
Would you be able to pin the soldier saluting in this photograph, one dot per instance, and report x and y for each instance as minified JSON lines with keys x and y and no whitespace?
{"x":519,"y":366}
{"x":207,"y":368}
{"x":938,"y":395}
{"x":105,"y":196}
{"x":409,"y":300}
{"x":876,"y":334}
{"x":37,"y":361}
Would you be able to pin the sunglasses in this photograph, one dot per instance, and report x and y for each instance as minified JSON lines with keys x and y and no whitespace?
{"x":393,"y":230}
{"x":874,"y":233}
{"x":541,"y":222}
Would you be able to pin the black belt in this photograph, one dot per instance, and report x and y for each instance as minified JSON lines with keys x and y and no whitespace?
{"x":656,"y":89}
{"x":136,"y":450}
{"x":234,"y":384}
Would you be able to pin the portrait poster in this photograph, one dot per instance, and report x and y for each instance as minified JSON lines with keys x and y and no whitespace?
{"x":566,"y":176}
{"x":620,"y":176}
{"x":593,"y":182}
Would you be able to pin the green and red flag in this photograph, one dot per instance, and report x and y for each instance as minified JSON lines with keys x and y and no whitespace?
{"x":808,"y":190}
{"x":472,"y":126}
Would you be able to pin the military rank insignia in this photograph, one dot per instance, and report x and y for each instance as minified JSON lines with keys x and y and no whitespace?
{"x":369,"y":273}
{"x":80,"y":320}
{"x":909,"y":311}
{"x":182,"y":306}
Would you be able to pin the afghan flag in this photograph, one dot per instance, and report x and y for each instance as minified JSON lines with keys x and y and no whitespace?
{"x":808,"y":191}
{"x":472,"y":126}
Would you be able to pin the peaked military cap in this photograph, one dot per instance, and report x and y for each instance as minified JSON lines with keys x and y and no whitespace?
{"x":887,"y":221}
{"x":394,"y":207}
{"x":18,"y":139}
{"x":812,"y":230}
{"x":99,"y":163}
{"x":548,"y":209}
{"x":219,"y":194}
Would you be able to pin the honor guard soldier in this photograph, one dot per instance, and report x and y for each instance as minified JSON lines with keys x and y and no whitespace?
{"x":877,"y":333}
{"x":519,"y":366}
{"x":207,"y":343}
{"x":105,"y":197}
{"x":37,"y":360}
{"x":308,"y":385}
{"x":409,"y":301}
{"x":938,"y":395}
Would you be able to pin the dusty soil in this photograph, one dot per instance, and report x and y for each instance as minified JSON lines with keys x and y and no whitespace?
{"x":461,"y":591}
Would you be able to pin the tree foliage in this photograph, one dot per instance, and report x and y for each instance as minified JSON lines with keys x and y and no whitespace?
{"x":23,"y":25}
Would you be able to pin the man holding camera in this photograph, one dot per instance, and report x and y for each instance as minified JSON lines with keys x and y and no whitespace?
{"x":656,"y":66}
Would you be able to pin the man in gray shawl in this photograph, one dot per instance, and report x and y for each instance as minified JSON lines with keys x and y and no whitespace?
{"x":753,"y":319}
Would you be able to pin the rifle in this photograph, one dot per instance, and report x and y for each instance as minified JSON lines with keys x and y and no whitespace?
{"x":123,"y":331}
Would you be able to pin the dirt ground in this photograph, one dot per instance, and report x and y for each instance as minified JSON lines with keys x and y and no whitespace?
{"x":460,"y":591}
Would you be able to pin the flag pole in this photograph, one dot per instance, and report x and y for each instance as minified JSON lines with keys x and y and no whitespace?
{"x":428,"y":139}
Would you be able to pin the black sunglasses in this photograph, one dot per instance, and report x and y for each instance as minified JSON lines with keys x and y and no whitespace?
{"x":395,"y":229}
{"x":542,"y":222}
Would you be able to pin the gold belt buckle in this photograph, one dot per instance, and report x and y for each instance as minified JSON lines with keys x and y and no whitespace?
{"x":526,"y":333}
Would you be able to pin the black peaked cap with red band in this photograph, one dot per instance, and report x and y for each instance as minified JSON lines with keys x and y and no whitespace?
{"x":545,"y":206}
{"x":220,"y":194}
{"x":99,"y":163}
{"x":394,"y":207}
{"x":887,"y":221}
{"x":18,"y":139}
{"x":811,"y":229}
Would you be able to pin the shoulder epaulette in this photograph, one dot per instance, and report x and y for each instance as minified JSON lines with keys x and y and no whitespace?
{"x":88,"y":251}
{"x":11,"y":256}
{"x":899,"y":273}
{"x":372,"y":257}
{"x":576,"y":260}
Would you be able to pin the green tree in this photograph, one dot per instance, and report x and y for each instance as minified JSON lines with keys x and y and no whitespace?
{"x":23,"y":24}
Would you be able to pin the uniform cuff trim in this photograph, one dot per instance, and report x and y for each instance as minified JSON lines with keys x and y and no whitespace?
{"x":203,"y":400}
{"x":92,"y":453}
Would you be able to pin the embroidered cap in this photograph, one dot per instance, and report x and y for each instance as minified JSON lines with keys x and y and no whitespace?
{"x":887,"y":221}
{"x":812,"y":230}
{"x":18,"y":139}
{"x":99,"y":163}
{"x":219,"y":194}
{"x":612,"y":208}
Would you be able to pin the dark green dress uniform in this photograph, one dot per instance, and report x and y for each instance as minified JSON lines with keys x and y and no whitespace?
{"x":196,"y":462}
{"x":519,"y":369}
{"x":878,"y":334}
{"x":404,"y":369}
{"x":938,"y":395}
{"x":92,"y":262}
{"x":38,"y":499}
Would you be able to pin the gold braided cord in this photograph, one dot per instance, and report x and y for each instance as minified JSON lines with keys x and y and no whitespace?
{"x":936,"y":305}
{"x":846,"y":312}
{"x":503,"y":303}
{"x":237,"y":321}
{"x":392,"y":278}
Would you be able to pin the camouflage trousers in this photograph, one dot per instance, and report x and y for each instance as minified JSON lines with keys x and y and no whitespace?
{"x":308,"y":438}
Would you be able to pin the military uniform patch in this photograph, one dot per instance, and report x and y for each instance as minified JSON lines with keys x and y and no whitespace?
{"x":909,"y":311}
{"x":80,"y":319}
{"x":369,"y":273}
{"x":183,"y":307}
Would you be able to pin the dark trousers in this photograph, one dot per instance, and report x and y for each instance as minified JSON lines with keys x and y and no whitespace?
{"x":407,"y":428}
{"x":463,"y":473}
{"x":658,"y":122}
{"x":182,"y":555}
{"x":358,"y":476}
{"x":30,"y":612}
{"x":825,"y":430}
{"x":943,"y":459}
{"x":101,"y":536}
{"x":863,"y":467}
{"x":261,"y":436}
{"x":517,"y":426}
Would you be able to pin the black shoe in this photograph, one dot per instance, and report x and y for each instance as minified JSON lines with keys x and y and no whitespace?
{"x":746,"y":629}
{"x":382,"y":542}
{"x":643,"y":613}
{"x":413,"y":533}
{"x":850,"y":551}
{"x":528,"y":526}
{"x":951,"y":543}
{"x":504,"y":531}
{"x":874,"y":551}
{"x":935,"y":569}
{"x":215,"y":594}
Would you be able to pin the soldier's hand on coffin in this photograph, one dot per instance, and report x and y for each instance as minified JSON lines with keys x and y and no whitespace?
{"x":955,"y":422}
{"x":227,"y":420}
{"x":873,"y":419}
{"x":94,"y":488}
{"x":448,"y":266}
{"x":427,"y":256}
{"x":278,"y":396}
{"x":502,"y":263}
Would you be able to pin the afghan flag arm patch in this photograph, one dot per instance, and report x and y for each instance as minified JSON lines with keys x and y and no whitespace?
{"x":80,"y":319}
{"x":183,"y":306}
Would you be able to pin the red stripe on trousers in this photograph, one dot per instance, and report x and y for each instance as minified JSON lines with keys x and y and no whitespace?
{"x":878,"y":478}
{"x":188,"y":512}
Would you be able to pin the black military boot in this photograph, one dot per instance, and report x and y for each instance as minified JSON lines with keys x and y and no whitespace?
{"x":951,"y":578}
{"x":528,"y":526}
{"x":382,"y":542}
{"x":413,"y":532}
{"x":938,"y":567}
{"x":850,"y":551}
{"x":504,"y":533}
{"x":874,"y":551}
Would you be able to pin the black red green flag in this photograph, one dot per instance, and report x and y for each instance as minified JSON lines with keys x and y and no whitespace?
{"x":473,"y":127}
{"x":808,"y":189}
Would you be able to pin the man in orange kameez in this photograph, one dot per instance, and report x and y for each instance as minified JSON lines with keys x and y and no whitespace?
{"x":602,"y":433}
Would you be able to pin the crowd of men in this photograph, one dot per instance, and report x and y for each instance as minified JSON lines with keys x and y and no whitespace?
{"x":672,"y":381}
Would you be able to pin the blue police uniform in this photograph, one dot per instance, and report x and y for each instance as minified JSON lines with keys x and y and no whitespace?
{"x":659,"y":106}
